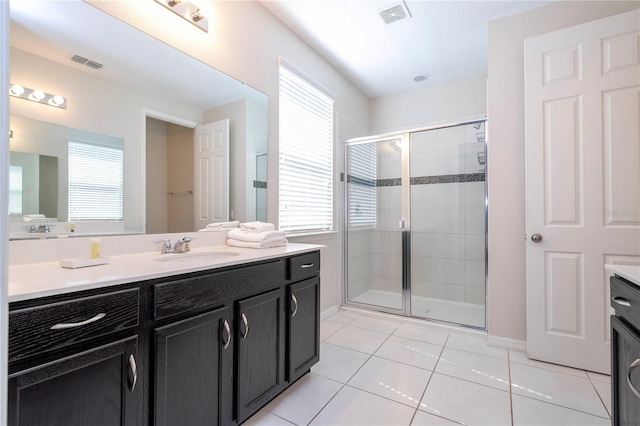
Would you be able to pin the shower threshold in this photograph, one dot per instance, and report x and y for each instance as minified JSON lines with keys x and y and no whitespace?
{"x":462,"y":313}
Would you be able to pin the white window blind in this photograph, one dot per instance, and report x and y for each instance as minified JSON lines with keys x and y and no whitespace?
{"x":361,"y":179}
{"x":96,"y":189}
{"x":15,"y":190}
{"x":306,"y":155}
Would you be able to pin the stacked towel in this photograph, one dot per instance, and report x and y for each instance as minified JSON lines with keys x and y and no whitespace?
{"x":220,"y":226}
{"x":249,"y":235}
{"x":34,"y":218}
{"x":257,"y":226}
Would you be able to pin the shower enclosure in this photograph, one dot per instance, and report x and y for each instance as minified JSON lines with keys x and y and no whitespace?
{"x":415,"y":222}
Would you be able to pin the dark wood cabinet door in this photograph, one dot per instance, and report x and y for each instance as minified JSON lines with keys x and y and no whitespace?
{"x":97,"y":387}
{"x":625,"y":373}
{"x":303,"y":348}
{"x":193,"y":370}
{"x":260,"y":363}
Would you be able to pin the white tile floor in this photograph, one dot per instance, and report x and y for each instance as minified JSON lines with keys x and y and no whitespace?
{"x":385,"y":371}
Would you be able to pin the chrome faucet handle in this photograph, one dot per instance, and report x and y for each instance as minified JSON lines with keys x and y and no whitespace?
{"x":166,"y":246}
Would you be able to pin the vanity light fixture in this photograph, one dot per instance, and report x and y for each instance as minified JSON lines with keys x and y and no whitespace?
{"x":39,"y":96}
{"x":187,"y":11}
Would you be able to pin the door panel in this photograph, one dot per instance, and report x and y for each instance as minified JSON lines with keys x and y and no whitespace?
{"x":212,"y":173}
{"x":374,"y":213}
{"x":582,"y":183}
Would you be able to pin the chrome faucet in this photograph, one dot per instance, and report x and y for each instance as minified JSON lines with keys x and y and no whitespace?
{"x":181,"y":246}
{"x":40,"y":229}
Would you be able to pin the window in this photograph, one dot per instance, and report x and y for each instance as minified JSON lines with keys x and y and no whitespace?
{"x":15,"y":190}
{"x":96,"y":187}
{"x":306,"y":155}
{"x":361,"y":178}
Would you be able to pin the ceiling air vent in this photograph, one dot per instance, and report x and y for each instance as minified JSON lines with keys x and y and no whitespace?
{"x":394,"y":13}
{"x":79,"y":59}
{"x":94,"y":65}
{"x":84,"y":61}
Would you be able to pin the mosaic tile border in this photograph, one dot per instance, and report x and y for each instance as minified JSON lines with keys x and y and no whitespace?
{"x":419,"y":180}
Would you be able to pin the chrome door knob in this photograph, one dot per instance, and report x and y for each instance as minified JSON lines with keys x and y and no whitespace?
{"x":536,"y":238}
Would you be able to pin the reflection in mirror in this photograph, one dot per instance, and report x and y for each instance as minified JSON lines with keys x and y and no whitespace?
{"x":81,"y":172}
{"x":33,"y":185}
{"x":261,"y":187}
{"x":139,"y":77}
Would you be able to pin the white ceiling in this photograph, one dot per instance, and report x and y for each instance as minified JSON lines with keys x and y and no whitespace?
{"x":445,"y":39}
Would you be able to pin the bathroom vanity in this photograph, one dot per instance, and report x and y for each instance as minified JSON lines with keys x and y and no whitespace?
{"x":625,"y":344}
{"x":190,"y":344}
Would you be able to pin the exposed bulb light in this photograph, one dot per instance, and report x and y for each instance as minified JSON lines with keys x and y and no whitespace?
{"x":17,"y":90}
{"x":188,"y":11}
{"x":38,"y":96}
{"x":56,"y":101}
{"x":197,"y":16}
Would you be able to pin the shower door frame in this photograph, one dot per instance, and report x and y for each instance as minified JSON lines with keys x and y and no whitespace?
{"x":404,"y":136}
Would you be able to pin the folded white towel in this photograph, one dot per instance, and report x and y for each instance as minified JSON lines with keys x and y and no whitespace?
{"x":219,"y":226}
{"x":242,"y":235}
{"x":257,"y":226}
{"x":33,"y":217}
{"x":257,"y":244}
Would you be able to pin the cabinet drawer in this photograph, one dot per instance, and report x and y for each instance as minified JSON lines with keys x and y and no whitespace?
{"x":625,"y":299}
{"x":206,"y":291}
{"x":33,"y":331}
{"x":303,"y":266}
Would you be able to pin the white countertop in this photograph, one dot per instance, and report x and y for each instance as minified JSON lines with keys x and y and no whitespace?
{"x":629,"y":272}
{"x":30,"y":281}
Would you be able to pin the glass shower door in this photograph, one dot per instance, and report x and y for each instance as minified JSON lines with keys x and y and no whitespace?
{"x":447,"y":175}
{"x":374,"y":267}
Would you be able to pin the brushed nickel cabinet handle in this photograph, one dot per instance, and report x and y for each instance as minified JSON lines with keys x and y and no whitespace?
{"x":246,"y":326}
{"x":635,"y":364}
{"x":227,"y":328}
{"x":307,"y":265}
{"x":62,"y":325}
{"x":134,"y":372}
{"x":295,"y":305}
{"x":621,"y":301}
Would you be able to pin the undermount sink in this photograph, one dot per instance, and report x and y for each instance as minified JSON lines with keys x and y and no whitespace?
{"x":196,"y":256}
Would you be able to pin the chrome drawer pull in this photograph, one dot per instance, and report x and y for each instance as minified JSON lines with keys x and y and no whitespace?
{"x":134,"y":372}
{"x":635,"y":364}
{"x":295,"y":305}
{"x":620,"y":301}
{"x":246,"y":326}
{"x":225,"y":324}
{"x":307,"y":265}
{"x":62,"y":325}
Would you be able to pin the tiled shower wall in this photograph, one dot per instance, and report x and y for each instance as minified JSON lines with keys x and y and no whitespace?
{"x":448,"y":217}
{"x":447,"y":221}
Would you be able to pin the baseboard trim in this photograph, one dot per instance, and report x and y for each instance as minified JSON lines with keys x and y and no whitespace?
{"x":506,"y":343}
{"x":328,"y":312}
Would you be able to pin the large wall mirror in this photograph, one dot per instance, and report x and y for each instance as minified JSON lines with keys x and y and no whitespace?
{"x":120,"y":84}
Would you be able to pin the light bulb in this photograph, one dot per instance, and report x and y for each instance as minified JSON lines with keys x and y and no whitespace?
{"x":37,"y":95}
{"x":17,"y":90}
{"x":56,"y":100}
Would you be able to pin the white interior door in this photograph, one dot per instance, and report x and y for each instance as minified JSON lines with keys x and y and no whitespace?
{"x":582,"y":183}
{"x":211,"y":152}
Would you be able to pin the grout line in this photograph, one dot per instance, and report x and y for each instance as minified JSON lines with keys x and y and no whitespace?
{"x":598,"y":393}
{"x":565,"y":407}
{"x":510,"y":387}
